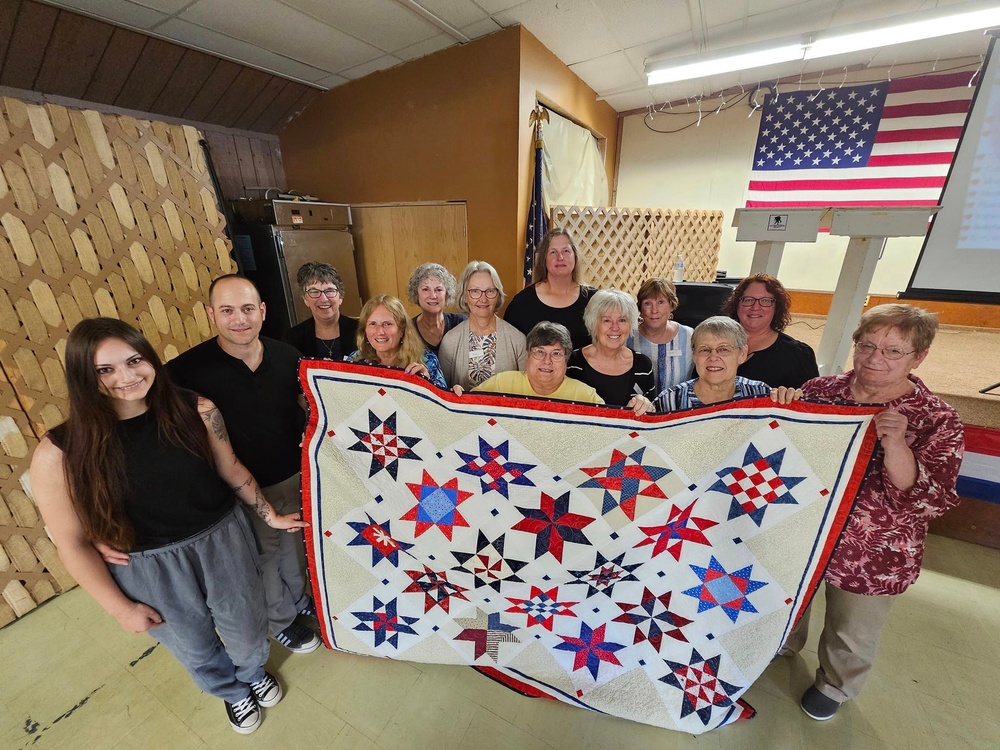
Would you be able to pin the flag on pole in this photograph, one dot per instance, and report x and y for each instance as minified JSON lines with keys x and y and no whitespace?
{"x":878,"y":144}
{"x":538,"y":223}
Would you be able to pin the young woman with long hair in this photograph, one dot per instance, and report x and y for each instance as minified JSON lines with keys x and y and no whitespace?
{"x":145,"y":468}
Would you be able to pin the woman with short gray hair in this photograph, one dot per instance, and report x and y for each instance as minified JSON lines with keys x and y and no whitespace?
{"x":326,"y":334}
{"x":485,"y":344}
{"x":432,"y":289}
{"x":621,"y":376}
{"x":720,"y":346}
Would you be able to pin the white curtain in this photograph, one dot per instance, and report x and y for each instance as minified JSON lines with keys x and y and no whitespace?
{"x":573,"y":169}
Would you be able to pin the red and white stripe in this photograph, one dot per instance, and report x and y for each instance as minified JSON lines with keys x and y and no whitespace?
{"x":915,"y":142}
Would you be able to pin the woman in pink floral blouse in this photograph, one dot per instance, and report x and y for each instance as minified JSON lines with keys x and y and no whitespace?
{"x":911,"y":480}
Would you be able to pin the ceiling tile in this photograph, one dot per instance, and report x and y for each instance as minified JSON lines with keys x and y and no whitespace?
{"x":382,"y":23}
{"x":205,"y":39}
{"x":608,"y":73}
{"x":360,"y":71}
{"x":633,"y":22}
{"x":165,"y":6}
{"x":281,"y":29}
{"x":495,"y":6}
{"x":458,"y":13}
{"x":426,"y":47}
{"x":481,"y":28}
{"x":331,"y":80}
{"x":569,"y":28}
{"x":120,"y":12}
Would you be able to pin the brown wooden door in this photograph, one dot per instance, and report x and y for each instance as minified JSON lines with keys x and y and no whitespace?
{"x":393,"y":239}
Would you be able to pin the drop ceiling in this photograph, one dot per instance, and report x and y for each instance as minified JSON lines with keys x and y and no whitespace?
{"x":326,"y":43}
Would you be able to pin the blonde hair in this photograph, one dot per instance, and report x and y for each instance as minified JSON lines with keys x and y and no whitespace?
{"x":411,"y":346}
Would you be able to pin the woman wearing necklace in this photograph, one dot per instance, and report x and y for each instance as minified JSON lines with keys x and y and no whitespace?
{"x":557,"y":294}
{"x":484,"y":345}
{"x":432,"y":288}
{"x":661,"y":338}
{"x":327,"y":334}
{"x":620,"y":376}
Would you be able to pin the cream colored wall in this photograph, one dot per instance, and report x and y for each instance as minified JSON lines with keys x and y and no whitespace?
{"x":709,"y":167}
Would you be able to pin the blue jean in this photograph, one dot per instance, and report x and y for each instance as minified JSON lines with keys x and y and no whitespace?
{"x":206,"y":587}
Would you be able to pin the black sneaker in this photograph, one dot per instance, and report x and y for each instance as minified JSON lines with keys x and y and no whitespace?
{"x":298,"y":639}
{"x":309,"y":610}
{"x":244,"y":716}
{"x":267,"y":691}
{"x":818,"y":706}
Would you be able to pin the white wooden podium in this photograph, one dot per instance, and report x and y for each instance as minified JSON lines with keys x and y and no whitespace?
{"x":867,"y":228}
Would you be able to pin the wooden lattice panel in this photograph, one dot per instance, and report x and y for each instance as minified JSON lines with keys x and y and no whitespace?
{"x":99,"y":215}
{"x":622,"y":247}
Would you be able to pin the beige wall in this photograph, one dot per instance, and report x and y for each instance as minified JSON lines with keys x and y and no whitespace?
{"x":450,"y":126}
{"x":709,"y":167}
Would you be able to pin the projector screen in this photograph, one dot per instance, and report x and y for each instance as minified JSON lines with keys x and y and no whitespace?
{"x":960,"y":259}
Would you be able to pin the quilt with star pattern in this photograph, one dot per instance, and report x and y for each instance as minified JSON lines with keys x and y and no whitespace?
{"x":647,"y":568}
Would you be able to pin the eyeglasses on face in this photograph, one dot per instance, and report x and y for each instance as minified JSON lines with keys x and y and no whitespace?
{"x":328,"y":293}
{"x":477,"y":293}
{"x":889,"y":352}
{"x":556,"y":355}
{"x":707,"y":351}
{"x":762,"y":301}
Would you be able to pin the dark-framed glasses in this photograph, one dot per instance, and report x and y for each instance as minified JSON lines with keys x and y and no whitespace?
{"x":889,"y":352}
{"x":762,"y":301}
{"x":477,"y":293}
{"x":328,"y":293}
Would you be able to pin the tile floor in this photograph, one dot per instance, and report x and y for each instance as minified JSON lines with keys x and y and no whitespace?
{"x":70,"y":678}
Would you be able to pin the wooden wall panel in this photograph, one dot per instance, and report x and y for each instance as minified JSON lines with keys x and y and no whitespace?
{"x":32,"y":30}
{"x":99,"y":215}
{"x":73,"y":54}
{"x":56,"y":51}
{"x":242,"y":162}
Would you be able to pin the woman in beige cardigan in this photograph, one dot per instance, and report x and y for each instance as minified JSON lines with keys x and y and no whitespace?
{"x":485,"y":344}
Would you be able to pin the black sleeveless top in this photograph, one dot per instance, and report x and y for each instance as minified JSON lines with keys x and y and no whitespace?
{"x":172,"y":494}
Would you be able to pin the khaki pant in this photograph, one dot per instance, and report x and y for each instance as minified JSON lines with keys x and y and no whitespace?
{"x":849,"y":642}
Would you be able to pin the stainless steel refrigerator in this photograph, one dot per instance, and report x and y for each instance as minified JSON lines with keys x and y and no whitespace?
{"x":273,"y":238}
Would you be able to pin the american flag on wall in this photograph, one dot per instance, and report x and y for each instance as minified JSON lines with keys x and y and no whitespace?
{"x":878,"y":144}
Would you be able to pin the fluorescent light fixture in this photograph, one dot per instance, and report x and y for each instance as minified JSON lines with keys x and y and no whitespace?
{"x":911,"y":27}
{"x":726,"y":63}
{"x":927,"y":28}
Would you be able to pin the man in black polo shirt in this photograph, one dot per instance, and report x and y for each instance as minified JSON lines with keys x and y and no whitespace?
{"x":254,"y":382}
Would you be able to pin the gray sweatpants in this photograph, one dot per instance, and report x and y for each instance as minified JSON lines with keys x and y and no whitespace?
{"x":206,"y":587}
{"x":282,"y":557}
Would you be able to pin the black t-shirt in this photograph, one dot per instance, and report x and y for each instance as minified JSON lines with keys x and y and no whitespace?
{"x":617,"y":390}
{"x":303,"y":337}
{"x":525,"y":310}
{"x":171,"y":493}
{"x":261,"y":407}
{"x":787,"y":362}
{"x":450,"y":321}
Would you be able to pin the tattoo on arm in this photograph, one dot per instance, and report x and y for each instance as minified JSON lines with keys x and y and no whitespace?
{"x":260,"y":505}
{"x":246,"y":483}
{"x":214,"y":420}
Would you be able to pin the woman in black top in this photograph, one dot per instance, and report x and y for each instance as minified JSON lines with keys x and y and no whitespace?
{"x":557,"y":294}
{"x":432,"y":289}
{"x":619,"y":375}
{"x":142,"y":467}
{"x":763,"y":307}
{"x":327,"y":334}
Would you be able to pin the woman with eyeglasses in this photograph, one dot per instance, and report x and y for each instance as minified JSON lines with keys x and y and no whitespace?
{"x":720,"y":346}
{"x":484,"y":344}
{"x":763,"y":307}
{"x":387,"y":337}
{"x":549,"y":346}
{"x":621,"y":376}
{"x":327,"y":334}
{"x":911,"y":479}
{"x":432,"y":289}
